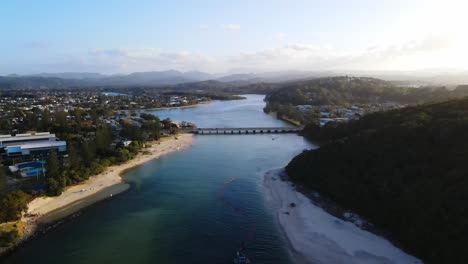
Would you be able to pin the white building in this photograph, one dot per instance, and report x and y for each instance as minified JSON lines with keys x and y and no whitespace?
{"x":30,"y":144}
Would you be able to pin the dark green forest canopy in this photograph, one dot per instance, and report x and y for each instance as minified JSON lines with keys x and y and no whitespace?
{"x":405,"y":170}
{"x":350,"y":90}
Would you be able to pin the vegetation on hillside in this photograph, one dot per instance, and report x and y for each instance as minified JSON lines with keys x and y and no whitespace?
{"x":92,"y":155}
{"x":405,"y":170}
{"x":342,"y":90}
{"x":13,"y":204}
{"x":348,"y":90}
{"x":10,"y":232}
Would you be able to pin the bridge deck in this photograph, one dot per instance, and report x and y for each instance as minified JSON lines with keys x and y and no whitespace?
{"x":246,"y":130}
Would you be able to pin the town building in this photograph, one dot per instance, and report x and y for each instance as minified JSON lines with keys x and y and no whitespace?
{"x":30,"y":145}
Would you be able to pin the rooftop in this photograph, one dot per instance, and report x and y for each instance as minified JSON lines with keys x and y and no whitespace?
{"x":26,"y":137}
{"x":41,"y":144}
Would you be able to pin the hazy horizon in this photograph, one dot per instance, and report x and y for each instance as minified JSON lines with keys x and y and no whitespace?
{"x":242,"y":37}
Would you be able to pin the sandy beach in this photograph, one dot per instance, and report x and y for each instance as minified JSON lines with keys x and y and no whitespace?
{"x":318,"y":237}
{"x":96,"y":188}
{"x":110,"y":177}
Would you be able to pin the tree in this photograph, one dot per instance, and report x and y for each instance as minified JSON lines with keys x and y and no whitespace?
{"x":103,"y":140}
{"x":152,"y":126}
{"x":88,"y":153}
{"x":45,"y":120}
{"x":53,"y":166}
{"x":12,"y":205}
{"x":61,"y":119}
{"x":2,"y":177}
{"x":131,"y":131}
{"x":404,"y":170}
{"x":55,"y":180}
{"x":74,"y":158}
{"x":77,"y":115}
{"x":167,"y":123}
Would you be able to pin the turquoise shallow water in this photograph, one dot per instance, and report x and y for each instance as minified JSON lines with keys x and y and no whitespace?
{"x":193,"y":206}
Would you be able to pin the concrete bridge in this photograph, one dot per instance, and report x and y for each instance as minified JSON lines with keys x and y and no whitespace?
{"x":246,"y":130}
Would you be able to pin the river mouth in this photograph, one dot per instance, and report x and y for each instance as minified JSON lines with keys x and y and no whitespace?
{"x":201,"y":203}
{"x":172,"y":213}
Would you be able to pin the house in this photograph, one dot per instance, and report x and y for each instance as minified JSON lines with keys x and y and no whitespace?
{"x":324,"y":121}
{"x":304,"y":108}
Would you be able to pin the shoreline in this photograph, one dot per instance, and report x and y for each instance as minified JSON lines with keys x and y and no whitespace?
{"x":286,"y":120}
{"x":170,"y":107}
{"x":164,"y":107}
{"x":44,"y":210}
{"x":318,"y":237}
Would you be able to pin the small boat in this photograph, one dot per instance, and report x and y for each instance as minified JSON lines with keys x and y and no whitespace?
{"x":241,"y":258}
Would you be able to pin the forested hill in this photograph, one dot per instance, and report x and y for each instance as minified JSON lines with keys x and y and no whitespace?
{"x":14,"y":83}
{"x":405,"y":170}
{"x":343,"y":90}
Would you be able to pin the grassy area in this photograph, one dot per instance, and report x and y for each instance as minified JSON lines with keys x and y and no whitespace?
{"x":285,"y":119}
{"x":10,"y":232}
{"x":291,"y":121}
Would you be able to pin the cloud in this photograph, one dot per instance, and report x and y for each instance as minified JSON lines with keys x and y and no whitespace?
{"x":411,"y":54}
{"x":430,"y":43}
{"x":203,"y":26}
{"x":36,"y":44}
{"x":301,"y":47}
{"x":426,"y":52}
{"x":280,"y":36}
{"x":291,"y":56}
{"x":148,"y":59}
{"x":232,"y":27}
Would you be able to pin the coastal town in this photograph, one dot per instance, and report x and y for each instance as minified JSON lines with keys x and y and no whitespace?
{"x":24,"y":117}
{"x":65,"y":100}
{"x":50,"y":140}
{"x":344,"y":113}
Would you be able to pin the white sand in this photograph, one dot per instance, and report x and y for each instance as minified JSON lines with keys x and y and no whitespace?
{"x":110,"y":177}
{"x":322,"y":238}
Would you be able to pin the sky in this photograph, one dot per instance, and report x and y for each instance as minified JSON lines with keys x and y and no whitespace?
{"x":219,"y":36}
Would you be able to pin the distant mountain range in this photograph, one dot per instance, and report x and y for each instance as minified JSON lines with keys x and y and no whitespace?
{"x":136,"y":78}
{"x":154,"y":78}
{"x":176,"y":77}
{"x":173,"y":77}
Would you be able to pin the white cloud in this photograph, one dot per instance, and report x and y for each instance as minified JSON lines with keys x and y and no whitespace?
{"x":203,"y":26}
{"x":232,"y":27}
{"x":280,"y":36}
{"x":128,"y":60}
{"x":431,"y":51}
{"x":134,"y":60}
